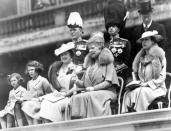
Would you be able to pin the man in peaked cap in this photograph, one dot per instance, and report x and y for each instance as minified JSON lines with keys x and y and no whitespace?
{"x":75,"y":25}
{"x":145,"y":11}
{"x":115,"y":15}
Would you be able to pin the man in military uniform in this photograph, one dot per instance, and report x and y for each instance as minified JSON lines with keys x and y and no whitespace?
{"x":115,"y":18}
{"x":75,"y":25}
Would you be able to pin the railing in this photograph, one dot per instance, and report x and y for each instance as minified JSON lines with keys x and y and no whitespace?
{"x":56,"y":16}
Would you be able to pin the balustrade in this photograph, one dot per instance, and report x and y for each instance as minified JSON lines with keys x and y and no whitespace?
{"x":46,"y":18}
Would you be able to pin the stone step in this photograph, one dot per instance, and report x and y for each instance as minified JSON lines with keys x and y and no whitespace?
{"x":117,"y":121}
{"x":152,"y":125}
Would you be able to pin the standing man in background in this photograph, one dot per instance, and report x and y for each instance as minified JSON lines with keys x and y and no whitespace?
{"x":145,"y":11}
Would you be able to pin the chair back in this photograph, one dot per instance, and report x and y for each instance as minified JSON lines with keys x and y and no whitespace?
{"x":121,"y":83}
{"x":168,"y":86}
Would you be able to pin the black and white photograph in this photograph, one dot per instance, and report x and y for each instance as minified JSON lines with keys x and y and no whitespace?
{"x":85,"y":65}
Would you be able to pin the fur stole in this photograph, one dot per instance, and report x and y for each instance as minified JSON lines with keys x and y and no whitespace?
{"x":52,"y":74}
{"x":155,"y":53}
{"x":105,"y":57}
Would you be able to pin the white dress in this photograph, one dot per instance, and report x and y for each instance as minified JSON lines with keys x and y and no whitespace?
{"x":55,"y":111}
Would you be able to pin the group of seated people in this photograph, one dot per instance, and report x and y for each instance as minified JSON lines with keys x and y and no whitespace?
{"x":84,"y":81}
{"x":66,"y":97}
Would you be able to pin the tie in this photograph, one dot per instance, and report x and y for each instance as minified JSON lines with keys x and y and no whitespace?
{"x":145,"y":28}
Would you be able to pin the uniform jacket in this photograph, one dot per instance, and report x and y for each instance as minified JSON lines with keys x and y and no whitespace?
{"x":80,"y":51}
{"x":121,"y":50}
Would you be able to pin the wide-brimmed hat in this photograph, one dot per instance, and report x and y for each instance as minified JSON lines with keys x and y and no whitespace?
{"x":64,"y":48}
{"x":145,"y":7}
{"x":75,"y":20}
{"x":153,"y":34}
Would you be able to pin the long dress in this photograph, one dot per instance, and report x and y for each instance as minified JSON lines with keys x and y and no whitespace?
{"x":96,"y":103}
{"x":37,"y":88}
{"x":55,"y":110}
{"x":14,"y":95}
{"x":151,"y":70}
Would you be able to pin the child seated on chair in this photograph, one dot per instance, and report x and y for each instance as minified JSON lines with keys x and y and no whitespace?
{"x":7,"y":114}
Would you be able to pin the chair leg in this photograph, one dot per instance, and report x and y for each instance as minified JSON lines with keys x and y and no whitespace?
{"x":160,"y":105}
{"x":3,"y":123}
{"x":9,"y":120}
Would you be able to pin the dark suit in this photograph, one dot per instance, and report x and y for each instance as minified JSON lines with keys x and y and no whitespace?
{"x":139,"y":30}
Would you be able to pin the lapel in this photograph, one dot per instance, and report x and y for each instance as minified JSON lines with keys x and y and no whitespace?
{"x":152,"y":26}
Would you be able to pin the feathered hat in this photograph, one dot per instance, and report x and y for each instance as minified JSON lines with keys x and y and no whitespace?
{"x":75,"y":20}
{"x":115,"y":14}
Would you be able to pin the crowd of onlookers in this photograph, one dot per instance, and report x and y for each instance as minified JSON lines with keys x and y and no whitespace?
{"x":85,"y":80}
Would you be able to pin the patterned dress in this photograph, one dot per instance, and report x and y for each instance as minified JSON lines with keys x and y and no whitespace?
{"x":14,"y":96}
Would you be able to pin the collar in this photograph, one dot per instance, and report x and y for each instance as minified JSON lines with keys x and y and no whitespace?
{"x":17,"y":90}
{"x":78,"y":40}
{"x":148,"y":24}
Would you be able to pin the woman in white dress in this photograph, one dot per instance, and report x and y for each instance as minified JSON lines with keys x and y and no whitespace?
{"x":60,"y":76}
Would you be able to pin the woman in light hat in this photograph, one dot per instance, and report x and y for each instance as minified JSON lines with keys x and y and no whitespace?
{"x":60,"y":75}
{"x":98,"y":82}
{"x":149,"y":67}
{"x":75,"y":25}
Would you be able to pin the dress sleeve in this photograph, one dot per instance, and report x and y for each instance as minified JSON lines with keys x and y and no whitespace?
{"x":111,"y":75}
{"x":46,"y":86}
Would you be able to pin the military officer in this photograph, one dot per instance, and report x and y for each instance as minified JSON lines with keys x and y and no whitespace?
{"x":75,"y":25}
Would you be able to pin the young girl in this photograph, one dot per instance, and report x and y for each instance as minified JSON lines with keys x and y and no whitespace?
{"x":36,"y":87}
{"x":16,"y":94}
